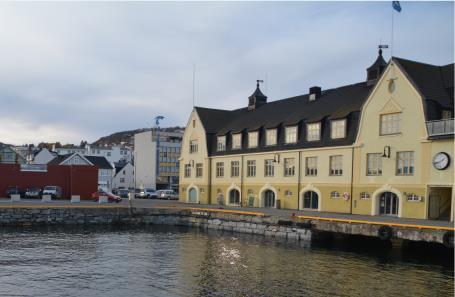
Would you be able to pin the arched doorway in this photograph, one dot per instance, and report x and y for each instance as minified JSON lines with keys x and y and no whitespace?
{"x":234,"y":197}
{"x":192,"y":195}
{"x":310,"y":200}
{"x":388,"y":204}
{"x":269,"y":198}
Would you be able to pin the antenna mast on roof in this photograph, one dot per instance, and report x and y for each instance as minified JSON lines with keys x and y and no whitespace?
{"x":194,"y":78}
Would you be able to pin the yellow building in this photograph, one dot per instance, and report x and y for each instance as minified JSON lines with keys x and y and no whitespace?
{"x":379,"y":147}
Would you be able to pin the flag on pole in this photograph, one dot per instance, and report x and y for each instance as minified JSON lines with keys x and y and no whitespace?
{"x":396,"y":5}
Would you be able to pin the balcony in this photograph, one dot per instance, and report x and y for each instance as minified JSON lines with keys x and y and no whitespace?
{"x":440,"y":127}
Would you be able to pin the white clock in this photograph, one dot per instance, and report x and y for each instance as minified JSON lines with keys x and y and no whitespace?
{"x":441,"y":161}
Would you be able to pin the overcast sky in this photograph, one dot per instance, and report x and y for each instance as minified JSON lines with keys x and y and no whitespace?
{"x":73,"y":71}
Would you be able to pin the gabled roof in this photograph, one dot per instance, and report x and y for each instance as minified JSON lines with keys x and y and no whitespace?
{"x":101,"y":162}
{"x":120,"y":166}
{"x":435,"y":83}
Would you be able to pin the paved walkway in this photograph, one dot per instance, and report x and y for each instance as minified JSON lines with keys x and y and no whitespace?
{"x":282,"y":213}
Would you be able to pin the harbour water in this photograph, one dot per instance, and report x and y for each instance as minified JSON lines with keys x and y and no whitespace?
{"x":170,"y":261}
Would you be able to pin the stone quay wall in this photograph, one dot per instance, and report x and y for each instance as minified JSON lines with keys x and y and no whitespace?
{"x":241,"y":223}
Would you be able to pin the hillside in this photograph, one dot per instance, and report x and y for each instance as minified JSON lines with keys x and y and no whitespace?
{"x":127,"y":136}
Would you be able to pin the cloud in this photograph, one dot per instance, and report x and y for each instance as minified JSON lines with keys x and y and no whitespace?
{"x":83,"y":70}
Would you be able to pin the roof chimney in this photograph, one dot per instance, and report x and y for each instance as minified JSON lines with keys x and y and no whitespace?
{"x":315,"y":93}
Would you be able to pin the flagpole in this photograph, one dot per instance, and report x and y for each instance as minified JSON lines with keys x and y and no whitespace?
{"x":391,"y":42}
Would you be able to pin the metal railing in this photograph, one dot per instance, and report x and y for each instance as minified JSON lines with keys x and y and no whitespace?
{"x":440,"y":127}
{"x":34,"y":167}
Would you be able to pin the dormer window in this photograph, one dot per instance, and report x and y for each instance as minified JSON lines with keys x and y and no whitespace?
{"x":237,"y":141}
{"x":221,"y":143}
{"x":270,"y":137}
{"x":291,"y":134}
{"x":253,"y":139}
{"x":313,"y":132}
{"x":338,"y":129}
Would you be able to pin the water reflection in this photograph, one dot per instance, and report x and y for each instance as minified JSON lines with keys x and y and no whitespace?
{"x":160,"y":261}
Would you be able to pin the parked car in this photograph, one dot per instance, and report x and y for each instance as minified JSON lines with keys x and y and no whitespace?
{"x":167,"y":194}
{"x":123,"y":193}
{"x":110,"y":197}
{"x":13,"y":191}
{"x":150,"y":193}
{"x":139,"y":193}
{"x":54,"y":191}
{"x":33,"y":192}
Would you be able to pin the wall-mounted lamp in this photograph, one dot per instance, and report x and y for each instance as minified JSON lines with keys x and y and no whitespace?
{"x":276,"y":158}
{"x":386,"y":153}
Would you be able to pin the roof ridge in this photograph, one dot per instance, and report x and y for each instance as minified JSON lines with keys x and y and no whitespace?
{"x":421,"y":63}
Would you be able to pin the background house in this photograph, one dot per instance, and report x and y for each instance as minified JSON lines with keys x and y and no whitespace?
{"x":105,"y":169}
{"x":124,"y":176}
{"x":10,"y":156}
{"x":43,"y":156}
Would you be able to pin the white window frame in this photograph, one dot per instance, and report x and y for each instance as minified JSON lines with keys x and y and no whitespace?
{"x":237,"y":141}
{"x":374,"y":164}
{"x":291,"y":134}
{"x":390,"y":123}
{"x":219,"y":169}
{"x":251,"y":168}
{"x":313,"y":131}
{"x":338,"y":129}
{"x":253,"y":139}
{"x":269,"y":168}
{"x":187,"y":170}
{"x":199,"y":170}
{"x":235,"y":168}
{"x":336,"y":165}
{"x":335,"y":195}
{"x":405,"y":162}
{"x":193,"y":146}
{"x":221,"y":143}
{"x":313,"y":171}
{"x":289,"y":166}
{"x":271,"y":137}
{"x":364,"y":195}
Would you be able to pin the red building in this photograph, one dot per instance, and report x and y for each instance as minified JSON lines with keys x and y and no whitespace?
{"x":74,"y":180}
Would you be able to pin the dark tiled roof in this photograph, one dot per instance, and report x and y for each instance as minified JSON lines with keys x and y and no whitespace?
{"x":59,"y":159}
{"x":100,"y":162}
{"x":435,"y":83}
{"x":338,"y":103}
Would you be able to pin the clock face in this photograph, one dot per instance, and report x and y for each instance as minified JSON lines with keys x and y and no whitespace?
{"x":441,"y":161}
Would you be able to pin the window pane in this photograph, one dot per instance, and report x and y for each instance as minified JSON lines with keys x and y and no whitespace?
{"x":338,"y":129}
{"x":313,"y":131}
{"x":291,"y":134}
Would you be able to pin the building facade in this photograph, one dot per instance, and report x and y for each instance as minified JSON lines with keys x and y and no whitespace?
{"x":113,"y":154}
{"x":105,"y":169}
{"x":380,"y":147}
{"x":124,"y":176}
{"x":9,"y":156}
{"x":145,"y":160}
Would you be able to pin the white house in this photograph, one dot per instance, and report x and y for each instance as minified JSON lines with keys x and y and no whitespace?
{"x":113,"y":154}
{"x":124,"y":176}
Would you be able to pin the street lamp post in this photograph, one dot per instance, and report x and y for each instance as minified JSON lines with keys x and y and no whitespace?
{"x":157,"y":120}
